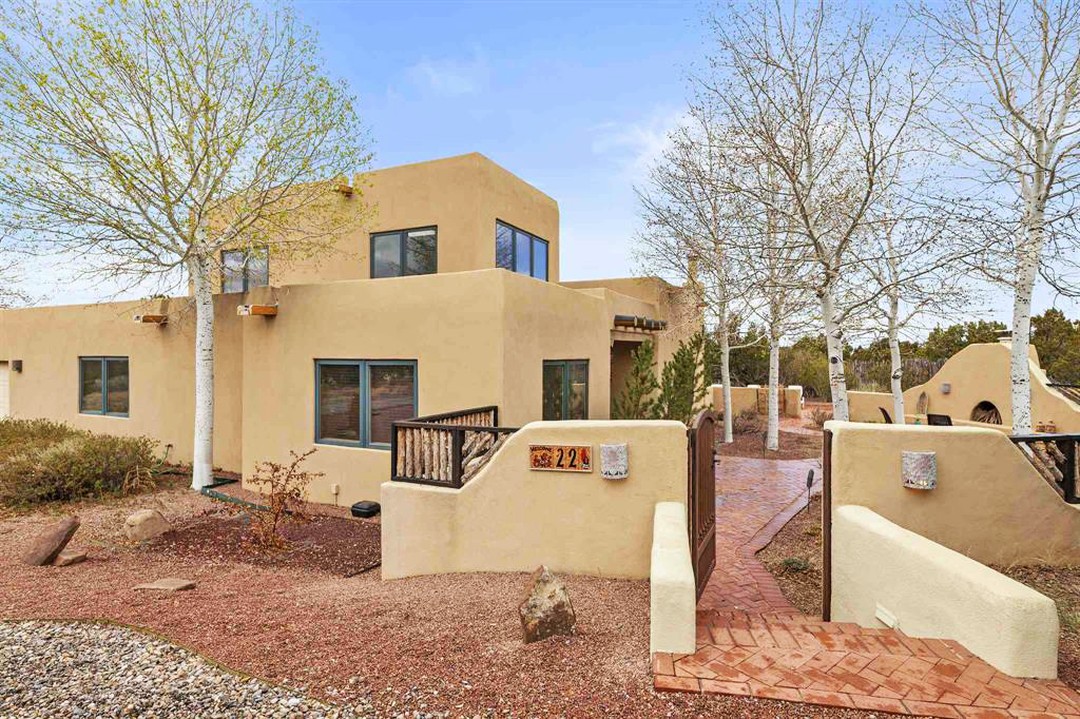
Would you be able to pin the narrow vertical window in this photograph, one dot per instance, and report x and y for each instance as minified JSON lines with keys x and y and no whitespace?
{"x":504,"y":246}
{"x":116,"y":394}
{"x":392,"y":389}
{"x":566,"y":389}
{"x":339,"y":402}
{"x":91,"y":387}
{"x":540,"y":259}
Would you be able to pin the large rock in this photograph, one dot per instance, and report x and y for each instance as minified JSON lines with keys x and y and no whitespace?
{"x":49,"y":543}
{"x":146,"y":524}
{"x":546,"y":610}
{"x":67,"y":557}
{"x":167,"y":584}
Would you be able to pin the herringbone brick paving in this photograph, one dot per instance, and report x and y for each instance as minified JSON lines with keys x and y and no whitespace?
{"x":752,"y":642}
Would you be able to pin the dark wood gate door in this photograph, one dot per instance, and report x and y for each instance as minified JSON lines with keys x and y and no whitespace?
{"x":701,"y":496}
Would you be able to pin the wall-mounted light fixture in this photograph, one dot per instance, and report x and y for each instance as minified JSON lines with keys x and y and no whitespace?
{"x":918,"y":469}
{"x":946,"y":387}
{"x":16,"y":365}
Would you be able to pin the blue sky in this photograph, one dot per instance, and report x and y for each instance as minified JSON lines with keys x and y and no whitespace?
{"x":573,"y":97}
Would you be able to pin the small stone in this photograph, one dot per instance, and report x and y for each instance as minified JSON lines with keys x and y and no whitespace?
{"x":146,"y":524}
{"x":546,"y":610}
{"x":168,"y":584}
{"x":49,"y":543}
{"x":67,"y":557}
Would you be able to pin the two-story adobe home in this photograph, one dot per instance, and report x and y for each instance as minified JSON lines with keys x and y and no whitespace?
{"x":448,"y":297}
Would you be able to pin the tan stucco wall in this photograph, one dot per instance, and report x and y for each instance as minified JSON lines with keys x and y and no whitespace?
{"x":463,"y":196}
{"x":981,"y":372}
{"x":509,"y":518}
{"x":989,"y":504}
{"x":745,"y":398}
{"x":50,"y":340}
{"x":863,"y":407}
{"x":932,"y":591}
{"x":672,"y":588}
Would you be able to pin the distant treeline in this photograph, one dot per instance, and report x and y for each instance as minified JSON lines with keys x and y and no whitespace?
{"x":1056,"y":338}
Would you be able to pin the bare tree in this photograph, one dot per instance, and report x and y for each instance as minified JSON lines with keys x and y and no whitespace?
{"x":147,"y":137}
{"x":1014,"y":115}
{"x":687,"y":228}
{"x":827,"y":102}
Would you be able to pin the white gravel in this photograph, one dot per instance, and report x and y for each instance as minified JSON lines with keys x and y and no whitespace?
{"x":71,"y":669}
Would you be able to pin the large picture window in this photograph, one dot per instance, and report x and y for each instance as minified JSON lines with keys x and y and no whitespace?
{"x":405,"y":252}
{"x":357,"y":401}
{"x":518,"y":251}
{"x":242,"y":270}
{"x":103,"y":386}
{"x":566,"y":389}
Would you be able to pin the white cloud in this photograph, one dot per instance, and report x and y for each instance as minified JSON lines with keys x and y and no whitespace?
{"x":451,"y":77}
{"x":636,"y":145}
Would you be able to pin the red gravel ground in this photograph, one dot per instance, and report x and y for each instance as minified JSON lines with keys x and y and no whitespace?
{"x":446,"y":643}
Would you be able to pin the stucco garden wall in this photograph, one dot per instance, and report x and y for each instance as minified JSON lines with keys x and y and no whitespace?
{"x":510,"y":518}
{"x":672,"y":588}
{"x":885,"y":575}
{"x":50,"y":340}
{"x":990,"y":503}
{"x":975,"y":374}
{"x":745,"y":398}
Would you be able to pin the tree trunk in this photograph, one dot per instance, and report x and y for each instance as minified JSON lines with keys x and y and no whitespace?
{"x":772,"y":434}
{"x":725,"y":373}
{"x":895,"y":362}
{"x":202,"y":470}
{"x":1019,"y":369}
{"x":834,"y":342}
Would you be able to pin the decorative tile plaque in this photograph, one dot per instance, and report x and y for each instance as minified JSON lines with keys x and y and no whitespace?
{"x":560,"y":457}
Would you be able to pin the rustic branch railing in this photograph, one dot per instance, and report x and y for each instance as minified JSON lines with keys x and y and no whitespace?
{"x":1054,"y":457}
{"x":446,"y":450}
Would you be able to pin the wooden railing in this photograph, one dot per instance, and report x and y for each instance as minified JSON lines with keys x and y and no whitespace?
{"x":446,"y":450}
{"x":1054,"y":457}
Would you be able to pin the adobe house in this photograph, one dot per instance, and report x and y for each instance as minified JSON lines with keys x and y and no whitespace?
{"x":448,"y":297}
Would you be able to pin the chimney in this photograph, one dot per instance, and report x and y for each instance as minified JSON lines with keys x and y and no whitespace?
{"x":1004,"y":336}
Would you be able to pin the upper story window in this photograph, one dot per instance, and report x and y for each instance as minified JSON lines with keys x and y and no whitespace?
{"x":243,"y":269}
{"x":103,"y":385}
{"x":405,"y":252}
{"x":518,"y":251}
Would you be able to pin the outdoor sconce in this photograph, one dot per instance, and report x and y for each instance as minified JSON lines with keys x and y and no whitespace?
{"x":614,"y":461}
{"x":946,"y":387}
{"x":918,"y":469}
{"x":16,"y":365}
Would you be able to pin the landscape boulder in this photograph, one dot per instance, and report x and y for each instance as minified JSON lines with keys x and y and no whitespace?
{"x":167,"y":584}
{"x":146,"y":524}
{"x":48,"y":544}
{"x":546,"y":611}
{"x":67,"y":557}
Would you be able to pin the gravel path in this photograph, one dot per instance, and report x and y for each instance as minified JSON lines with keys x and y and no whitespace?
{"x":55,"y":669}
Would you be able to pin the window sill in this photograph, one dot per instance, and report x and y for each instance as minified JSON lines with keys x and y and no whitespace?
{"x":351,"y":445}
{"x":114,"y":415}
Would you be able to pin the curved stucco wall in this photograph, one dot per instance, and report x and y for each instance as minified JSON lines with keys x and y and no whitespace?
{"x":880,"y":569}
{"x":510,"y":518}
{"x":990,"y":503}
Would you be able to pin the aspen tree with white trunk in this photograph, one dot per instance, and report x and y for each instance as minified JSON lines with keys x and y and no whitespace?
{"x":147,"y":137}
{"x":1015,"y":118}
{"x":687,"y":228}
{"x":828,"y":100}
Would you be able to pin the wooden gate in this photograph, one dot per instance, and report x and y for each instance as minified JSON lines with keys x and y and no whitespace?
{"x":701,"y":496}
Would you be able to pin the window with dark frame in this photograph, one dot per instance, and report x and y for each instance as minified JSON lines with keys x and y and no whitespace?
{"x":405,"y":252}
{"x":565,"y":389}
{"x":104,"y":386}
{"x":241,"y":270}
{"x":357,"y":401}
{"x":521,"y":252}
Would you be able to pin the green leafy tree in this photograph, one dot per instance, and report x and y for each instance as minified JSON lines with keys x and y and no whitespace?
{"x":943,"y":342}
{"x":148,"y":136}
{"x":638,"y":398}
{"x":750,"y":356}
{"x":1057,"y":339}
{"x":684,"y":382}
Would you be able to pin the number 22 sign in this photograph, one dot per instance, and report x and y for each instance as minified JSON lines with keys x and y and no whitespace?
{"x":560,"y":457}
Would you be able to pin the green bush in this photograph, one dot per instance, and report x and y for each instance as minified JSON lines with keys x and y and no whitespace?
{"x":54,"y":462}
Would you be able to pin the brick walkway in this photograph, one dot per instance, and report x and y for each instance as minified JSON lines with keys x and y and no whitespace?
{"x":751,"y":641}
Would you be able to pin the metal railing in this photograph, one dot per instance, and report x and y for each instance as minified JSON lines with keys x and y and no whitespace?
{"x":446,"y":450}
{"x":1054,"y":458}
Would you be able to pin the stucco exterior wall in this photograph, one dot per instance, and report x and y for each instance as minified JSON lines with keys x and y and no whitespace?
{"x":672,"y":588}
{"x":463,"y":196}
{"x":745,"y":398}
{"x":50,"y":340}
{"x":864,"y":407}
{"x":990,"y":504}
{"x":926,"y":590}
{"x":510,"y":518}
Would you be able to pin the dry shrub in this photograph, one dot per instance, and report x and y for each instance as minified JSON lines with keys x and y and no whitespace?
{"x":285,"y":487}
{"x":747,"y":422}
{"x":55,"y":463}
{"x":819,"y":416}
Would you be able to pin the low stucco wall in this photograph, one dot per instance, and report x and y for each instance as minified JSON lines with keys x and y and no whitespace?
{"x":509,"y":518}
{"x":672,"y":590}
{"x":865,"y":407}
{"x":989,"y":504}
{"x":881,"y":570}
{"x":745,"y":398}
